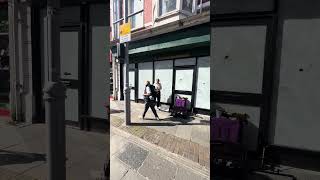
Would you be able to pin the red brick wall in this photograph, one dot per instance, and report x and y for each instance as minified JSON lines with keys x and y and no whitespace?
{"x":147,"y":11}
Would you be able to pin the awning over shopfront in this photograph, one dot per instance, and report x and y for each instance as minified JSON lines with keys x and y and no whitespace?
{"x":195,"y":37}
{"x":192,"y":41}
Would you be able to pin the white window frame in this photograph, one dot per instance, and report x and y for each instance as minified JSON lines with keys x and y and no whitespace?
{"x":179,"y":4}
{"x":167,"y":13}
{"x":116,"y":21}
{"x":201,"y":6}
{"x":187,"y":12}
{"x":136,"y":13}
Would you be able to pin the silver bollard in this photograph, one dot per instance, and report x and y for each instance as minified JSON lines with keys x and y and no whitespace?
{"x":54,"y":96}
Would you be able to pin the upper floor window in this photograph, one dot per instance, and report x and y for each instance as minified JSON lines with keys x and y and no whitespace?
{"x":166,"y":6}
{"x":203,"y":4}
{"x":187,"y":7}
{"x":135,"y":13}
{"x":117,"y":17}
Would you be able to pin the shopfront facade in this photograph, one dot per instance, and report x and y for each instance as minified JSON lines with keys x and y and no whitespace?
{"x":264,"y":64}
{"x":180,"y":59}
{"x":84,"y":60}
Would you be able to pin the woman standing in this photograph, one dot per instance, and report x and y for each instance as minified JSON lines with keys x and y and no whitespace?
{"x":158,"y":89}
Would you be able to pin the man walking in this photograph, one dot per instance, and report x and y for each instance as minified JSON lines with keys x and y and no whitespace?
{"x":158,"y":89}
{"x":149,"y":98}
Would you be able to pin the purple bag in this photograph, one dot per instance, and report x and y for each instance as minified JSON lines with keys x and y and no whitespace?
{"x":180,"y":102}
{"x":225,"y":130}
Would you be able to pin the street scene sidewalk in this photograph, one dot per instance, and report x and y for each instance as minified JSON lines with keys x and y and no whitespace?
{"x":189,"y":138}
{"x":135,"y":159}
{"x":23,"y":152}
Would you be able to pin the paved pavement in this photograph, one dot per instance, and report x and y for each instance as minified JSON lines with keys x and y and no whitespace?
{"x":135,"y":159}
{"x":195,"y":129}
{"x":23,"y":149}
{"x":187,"y":138}
{"x":184,"y":148}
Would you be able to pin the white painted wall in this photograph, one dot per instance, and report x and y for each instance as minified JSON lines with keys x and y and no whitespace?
{"x":184,"y":79}
{"x":202,"y":99}
{"x":237,"y":65}
{"x":238,"y":58}
{"x":164,"y":72}
{"x":297,"y":119}
{"x":99,"y":58}
{"x":145,"y":71}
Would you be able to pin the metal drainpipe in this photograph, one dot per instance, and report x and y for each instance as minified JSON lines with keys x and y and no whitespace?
{"x":11,"y":18}
{"x":15,"y":99}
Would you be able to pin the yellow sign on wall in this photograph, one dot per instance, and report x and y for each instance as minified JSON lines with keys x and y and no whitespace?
{"x":125,"y":32}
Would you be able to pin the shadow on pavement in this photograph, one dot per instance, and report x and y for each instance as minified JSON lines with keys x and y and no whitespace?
{"x":12,"y":157}
{"x":251,"y":177}
{"x":152,"y":124}
{"x":114,"y":111}
{"x":171,"y":121}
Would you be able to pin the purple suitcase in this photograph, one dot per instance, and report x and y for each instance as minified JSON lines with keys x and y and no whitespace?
{"x":225,"y":130}
{"x":181,"y":103}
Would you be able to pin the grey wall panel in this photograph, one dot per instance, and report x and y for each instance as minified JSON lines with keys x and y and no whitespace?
{"x":70,"y":15}
{"x":71,"y":105}
{"x":69,"y":50}
{"x":250,"y":131}
{"x":99,"y":58}
{"x":69,"y":59}
{"x":238,"y":58}
{"x":297,"y":123}
{"x":241,"y":6}
{"x":164,"y":72}
{"x":185,"y":62}
{"x":145,"y":74}
{"x":202,"y":99}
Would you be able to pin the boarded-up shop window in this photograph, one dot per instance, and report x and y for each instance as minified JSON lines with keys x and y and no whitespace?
{"x":164,"y":72}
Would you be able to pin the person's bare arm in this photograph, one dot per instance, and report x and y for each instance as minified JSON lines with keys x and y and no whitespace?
{"x":146,"y":93}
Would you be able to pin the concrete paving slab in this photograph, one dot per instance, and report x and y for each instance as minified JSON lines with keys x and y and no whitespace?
{"x":90,"y":170}
{"x":184,"y":132}
{"x":7,"y":174}
{"x":20,"y":161}
{"x":133,"y":175}
{"x":166,"y":129}
{"x":157,"y":168}
{"x":184,"y":174}
{"x":9,"y":136}
{"x":133,"y":155}
{"x":39,"y":172}
{"x":117,"y":142}
{"x":201,"y":135}
{"x":86,"y":152}
{"x":117,"y":169}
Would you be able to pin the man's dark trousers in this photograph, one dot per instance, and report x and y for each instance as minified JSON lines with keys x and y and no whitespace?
{"x":151,"y":104}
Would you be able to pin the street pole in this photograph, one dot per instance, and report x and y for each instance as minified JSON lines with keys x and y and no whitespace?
{"x":126,"y":77}
{"x":54,"y":96}
{"x":127,"y":88}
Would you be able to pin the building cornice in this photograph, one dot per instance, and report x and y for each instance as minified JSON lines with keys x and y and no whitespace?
{"x":170,"y":27}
